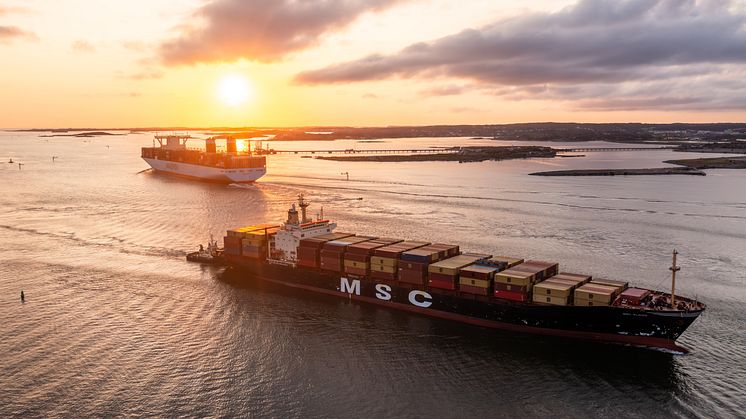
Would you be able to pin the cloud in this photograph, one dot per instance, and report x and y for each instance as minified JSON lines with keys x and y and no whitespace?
{"x":444,"y":90}
{"x":603,"y":43}
{"x":83,"y":46}
{"x":261,"y":30}
{"x":147,"y":74}
{"x":7,"y":10}
{"x":10,"y":33}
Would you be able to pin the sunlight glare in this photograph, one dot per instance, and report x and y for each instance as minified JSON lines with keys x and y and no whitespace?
{"x":234,"y":90}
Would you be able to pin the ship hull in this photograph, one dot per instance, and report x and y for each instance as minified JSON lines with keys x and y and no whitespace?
{"x":206,"y":173}
{"x":630,"y":326}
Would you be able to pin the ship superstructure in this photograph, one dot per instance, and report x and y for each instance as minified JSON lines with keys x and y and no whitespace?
{"x":440,"y":280}
{"x":172,"y":156}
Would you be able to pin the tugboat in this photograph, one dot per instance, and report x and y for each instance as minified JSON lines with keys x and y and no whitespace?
{"x":213,"y":255}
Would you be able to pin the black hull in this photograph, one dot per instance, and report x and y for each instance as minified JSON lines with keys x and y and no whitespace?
{"x":632,"y":326}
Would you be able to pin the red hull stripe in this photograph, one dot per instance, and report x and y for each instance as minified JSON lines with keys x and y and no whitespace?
{"x":599,"y":337}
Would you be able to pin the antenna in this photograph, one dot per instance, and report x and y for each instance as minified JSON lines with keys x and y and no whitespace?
{"x":673,"y":270}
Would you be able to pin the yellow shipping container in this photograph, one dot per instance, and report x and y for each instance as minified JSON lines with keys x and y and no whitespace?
{"x":558,"y":301}
{"x":384,"y":268}
{"x":588,"y":303}
{"x":451,"y":266}
{"x":377,"y":260}
{"x":553,"y":289}
{"x":514,"y":277}
{"x":600,"y":293}
{"x":618,"y":285}
{"x":356,"y":264}
{"x":481,"y":283}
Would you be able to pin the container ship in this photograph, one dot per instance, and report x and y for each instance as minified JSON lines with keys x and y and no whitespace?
{"x":441,"y":281}
{"x":172,"y":156}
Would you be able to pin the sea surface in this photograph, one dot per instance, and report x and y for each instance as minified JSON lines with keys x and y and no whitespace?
{"x":116,"y":322}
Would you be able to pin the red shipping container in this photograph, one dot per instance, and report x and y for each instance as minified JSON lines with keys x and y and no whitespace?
{"x":633,"y":296}
{"x":383,"y":275}
{"x":331,"y":264}
{"x":331,"y":253}
{"x":513,"y":296}
{"x":413,"y":266}
{"x":499,"y":286}
{"x":357,"y":257}
{"x":356,"y":271}
{"x":470,"y":289}
{"x":448,"y":284}
{"x":412,"y":277}
{"x":443,"y":277}
{"x":309,"y":263}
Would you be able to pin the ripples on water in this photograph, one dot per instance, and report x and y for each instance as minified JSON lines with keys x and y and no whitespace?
{"x":115,"y":321}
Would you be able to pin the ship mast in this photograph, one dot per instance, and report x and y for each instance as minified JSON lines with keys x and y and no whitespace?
{"x":303,"y":205}
{"x":673,"y":270}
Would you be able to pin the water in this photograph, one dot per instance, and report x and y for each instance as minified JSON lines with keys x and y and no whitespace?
{"x":116,"y":322}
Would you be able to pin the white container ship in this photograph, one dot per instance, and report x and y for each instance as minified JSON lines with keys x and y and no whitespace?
{"x":172,"y":156}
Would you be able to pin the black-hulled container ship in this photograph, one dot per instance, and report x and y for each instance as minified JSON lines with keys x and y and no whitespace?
{"x":440,"y":280}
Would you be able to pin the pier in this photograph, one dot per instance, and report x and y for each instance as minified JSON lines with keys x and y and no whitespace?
{"x":444,"y":150}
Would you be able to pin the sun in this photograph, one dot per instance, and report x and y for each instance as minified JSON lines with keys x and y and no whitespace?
{"x":234,"y":90}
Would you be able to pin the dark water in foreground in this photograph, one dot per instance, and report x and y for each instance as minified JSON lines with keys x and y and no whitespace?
{"x":116,"y":322}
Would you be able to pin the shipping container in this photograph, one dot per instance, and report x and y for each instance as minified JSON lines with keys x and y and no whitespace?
{"x":553,"y":289}
{"x":473,"y":282}
{"x":413,"y":266}
{"x":478,"y":272}
{"x":580,"y":279}
{"x":469,"y":289}
{"x":600,"y":293}
{"x":357,"y":257}
{"x":621,"y":285}
{"x":331,"y":264}
{"x":515,"y":277}
{"x":412,"y":277}
{"x":524,"y":289}
{"x":513,"y":296}
{"x":379,"y":260}
{"x":451,"y":266}
{"x":588,"y":303}
{"x":386,"y":276}
{"x":557,"y":301}
{"x":384,"y":268}
{"x":421,"y":255}
{"x":632,"y":296}
{"x":395,"y":250}
{"x":442,"y":281}
{"x":356,"y":271}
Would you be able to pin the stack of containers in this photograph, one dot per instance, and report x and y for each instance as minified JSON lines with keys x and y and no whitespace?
{"x":445,"y":274}
{"x":598,"y":292}
{"x":632,"y":297}
{"x":384,"y":263}
{"x":558,"y":289}
{"x":413,"y":264}
{"x":232,"y":244}
{"x":332,"y":252}
{"x":477,"y":279}
{"x":357,"y":256}
{"x":516,"y":283}
{"x":309,"y":249}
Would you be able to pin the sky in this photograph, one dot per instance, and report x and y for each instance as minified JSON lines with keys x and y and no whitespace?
{"x":198,"y":63}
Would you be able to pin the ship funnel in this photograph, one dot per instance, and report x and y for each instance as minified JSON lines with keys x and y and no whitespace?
{"x":230,"y":145}
{"x":293,"y":216}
